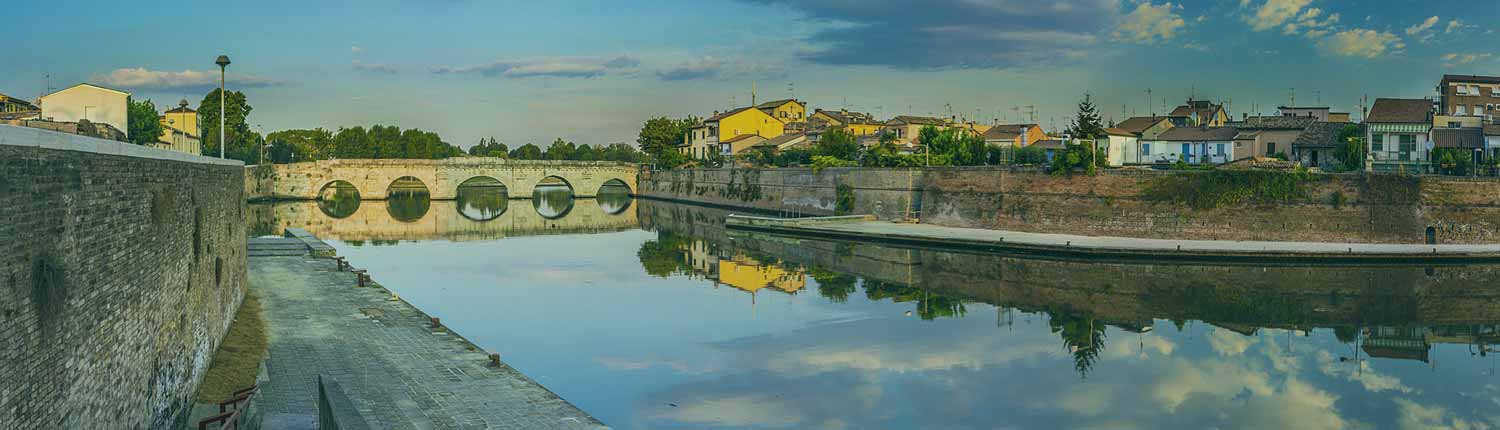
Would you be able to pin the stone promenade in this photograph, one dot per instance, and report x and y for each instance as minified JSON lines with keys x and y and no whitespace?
{"x":398,"y":371}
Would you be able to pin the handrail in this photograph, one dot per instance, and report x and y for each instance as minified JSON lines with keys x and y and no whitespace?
{"x":231,"y":419}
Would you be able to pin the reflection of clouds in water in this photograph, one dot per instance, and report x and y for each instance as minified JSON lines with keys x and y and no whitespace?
{"x":1228,"y":343}
{"x":1415,"y":415}
{"x":1365,"y":375}
{"x":879,"y":377}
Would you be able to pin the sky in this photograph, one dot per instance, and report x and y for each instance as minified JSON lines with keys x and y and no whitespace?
{"x":593,"y":71}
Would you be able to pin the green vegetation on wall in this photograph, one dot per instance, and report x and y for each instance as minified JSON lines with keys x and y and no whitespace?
{"x":1393,"y":189}
{"x":844,"y":199}
{"x":1222,"y":188}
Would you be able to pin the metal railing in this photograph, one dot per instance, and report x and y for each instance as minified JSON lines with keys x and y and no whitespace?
{"x":234,"y":413}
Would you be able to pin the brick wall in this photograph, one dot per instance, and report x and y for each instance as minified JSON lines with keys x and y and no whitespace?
{"x":120,"y":269}
{"x":1337,"y":208}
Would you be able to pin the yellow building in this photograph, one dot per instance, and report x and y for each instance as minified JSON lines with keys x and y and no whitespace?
{"x":786,"y":110}
{"x":857,"y":123}
{"x":179,"y":130}
{"x":743,"y":121}
{"x":14,"y":108}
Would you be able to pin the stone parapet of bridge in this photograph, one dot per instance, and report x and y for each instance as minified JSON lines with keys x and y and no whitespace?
{"x":373,"y":177}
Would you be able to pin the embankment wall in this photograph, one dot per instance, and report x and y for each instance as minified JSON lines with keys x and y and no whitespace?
{"x":1331,"y":208}
{"x":121,"y":268}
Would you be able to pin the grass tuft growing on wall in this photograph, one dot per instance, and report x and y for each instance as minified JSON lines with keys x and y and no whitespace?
{"x":238,"y":359}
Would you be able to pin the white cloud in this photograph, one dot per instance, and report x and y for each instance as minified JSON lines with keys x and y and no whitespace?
{"x":1422,"y":31}
{"x":1459,"y":58}
{"x":377,"y":68}
{"x":1273,"y":13}
{"x":140,"y":78}
{"x":1149,"y":23}
{"x":1228,"y":343}
{"x":1362,"y":43}
{"x":558,"y":67}
{"x":1417,"y":416}
{"x":720,"y":68}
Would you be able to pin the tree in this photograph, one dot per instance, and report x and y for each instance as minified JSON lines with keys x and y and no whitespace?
{"x":142,"y":121}
{"x":1351,"y":151}
{"x":661,"y":134}
{"x":305,"y":145}
{"x":560,"y":150}
{"x":242,"y":142}
{"x":1086,"y":124}
{"x":527,"y":152}
{"x":838,"y":143}
{"x":489,"y":148}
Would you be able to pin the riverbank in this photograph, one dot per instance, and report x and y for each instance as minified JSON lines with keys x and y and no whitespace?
{"x":396,"y":366}
{"x":866,"y":228}
{"x":1222,"y":205}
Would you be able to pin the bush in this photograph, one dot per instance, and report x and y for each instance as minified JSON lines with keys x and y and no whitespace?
{"x":1221,"y":188}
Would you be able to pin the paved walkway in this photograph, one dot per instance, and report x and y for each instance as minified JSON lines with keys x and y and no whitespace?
{"x":974,"y":237}
{"x":399,"y":372}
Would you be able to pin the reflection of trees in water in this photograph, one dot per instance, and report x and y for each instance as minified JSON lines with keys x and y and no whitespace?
{"x":613,"y":199}
{"x":552,"y":201}
{"x":1081,"y":335}
{"x":834,"y":286}
{"x":666,"y":255}
{"x":483,"y":202}
{"x":338,"y":200}
{"x":408,"y":206}
{"x":929,"y":306}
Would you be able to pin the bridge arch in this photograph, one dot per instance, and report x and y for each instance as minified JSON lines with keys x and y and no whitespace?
{"x":482,"y":198}
{"x":614,"y":197}
{"x":407,"y":199}
{"x":551,"y":202}
{"x":555,"y":180}
{"x":338,"y":199}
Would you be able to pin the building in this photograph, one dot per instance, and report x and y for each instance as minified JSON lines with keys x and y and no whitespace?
{"x":1318,"y":142}
{"x":1338,"y":117}
{"x":1469,"y":140}
{"x":88,"y":102}
{"x":858,"y":123}
{"x":1119,"y":146}
{"x":1195,"y":145}
{"x":14,"y":108}
{"x":1469,"y":95}
{"x":1013,"y":135}
{"x":1145,"y":127}
{"x":785,"y":110}
{"x":1268,"y":136}
{"x":700,"y":141}
{"x":1318,"y":113}
{"x":1397,"y":132}
{"x":785,"y":142}
{"x":180,"y":130}
{"x":1199,"y":113}
{"x":1050,"y":147}
{"x":708,"y":136}
{"x":1492,"y":140}
{"x":906,"y":127}
{"x":735,"y":145}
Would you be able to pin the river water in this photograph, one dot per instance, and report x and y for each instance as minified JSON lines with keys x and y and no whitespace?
{"x":650,"y":315}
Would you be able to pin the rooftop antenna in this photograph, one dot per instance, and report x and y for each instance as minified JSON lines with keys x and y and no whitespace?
{"x":1292,"y":92}
{"x":752,"y":93}
{"x":791,"y":89}
{"x":1150,"y":102}
{"x":1032,"y":109}
{"x":1318,"y":94}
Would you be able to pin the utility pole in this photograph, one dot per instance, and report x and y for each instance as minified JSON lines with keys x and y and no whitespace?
{"x":1150,"y":103}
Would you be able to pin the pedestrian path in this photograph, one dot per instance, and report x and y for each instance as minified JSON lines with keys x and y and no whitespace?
{"x":1122,"y":247}
{"x":398,"y":370}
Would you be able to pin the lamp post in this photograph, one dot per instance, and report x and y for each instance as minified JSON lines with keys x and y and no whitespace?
{"x":222,"y":61}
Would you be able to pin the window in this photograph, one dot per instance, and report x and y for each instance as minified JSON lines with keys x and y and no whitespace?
{"x":1408,"y":145}
{"x":1145,"y":149}
{"x":1270,"y":149}
{"x":1478,"y":110}
{"x":1460,"y":110}
{"x":1377,"y":142}
{"x":1220,"y":149}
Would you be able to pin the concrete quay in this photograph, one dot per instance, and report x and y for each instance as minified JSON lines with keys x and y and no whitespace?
{"x":865,"y":228}
{"x":396,"y":367}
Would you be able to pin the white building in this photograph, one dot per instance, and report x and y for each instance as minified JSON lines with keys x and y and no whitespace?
{"x":1398,"y":133}
{"x":1193,"y":145}
{"x":1119,"y":145}
{"x":87,"y":101}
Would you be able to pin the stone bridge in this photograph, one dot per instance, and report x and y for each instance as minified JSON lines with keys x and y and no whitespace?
{"x":373,"y":178}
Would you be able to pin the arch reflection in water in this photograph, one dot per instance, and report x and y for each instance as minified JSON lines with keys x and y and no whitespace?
{"x":338,"y":199}
{"x":407,"y":199}
{"x":552,"y":198}
{"x":614,"y":197}
{"x":482,"y":198}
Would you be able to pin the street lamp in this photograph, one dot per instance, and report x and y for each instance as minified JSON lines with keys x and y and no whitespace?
{"x":222,"y":61}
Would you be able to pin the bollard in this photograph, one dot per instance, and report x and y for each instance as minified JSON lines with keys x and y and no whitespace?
{"x":494,"y":360}
{"x":362,"y":278}
{"x":340,"y":262}
{"x":436,"y":322}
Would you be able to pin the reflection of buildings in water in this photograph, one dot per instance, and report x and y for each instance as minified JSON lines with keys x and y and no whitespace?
{"x":1452,"y":305}
{"x":740,"y":271}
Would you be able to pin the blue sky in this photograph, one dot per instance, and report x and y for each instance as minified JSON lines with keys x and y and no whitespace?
{"x":592,"y":71}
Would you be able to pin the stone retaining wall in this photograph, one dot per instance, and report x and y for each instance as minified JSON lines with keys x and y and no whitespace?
{"x":121,"y":268}
{"x":1336,"y":208}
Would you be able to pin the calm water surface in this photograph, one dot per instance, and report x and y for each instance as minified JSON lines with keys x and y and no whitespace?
{"x":650,"y":315}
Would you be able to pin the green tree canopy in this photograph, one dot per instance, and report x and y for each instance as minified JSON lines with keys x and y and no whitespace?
{"x":527,"y":152}
{"x":1086,"y":124}
{"x":661,"y":134}
{"x":143,"y":122}
{"x":838,"y":143}
{"x":489,"y":148}
{"x":243,"y":143}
